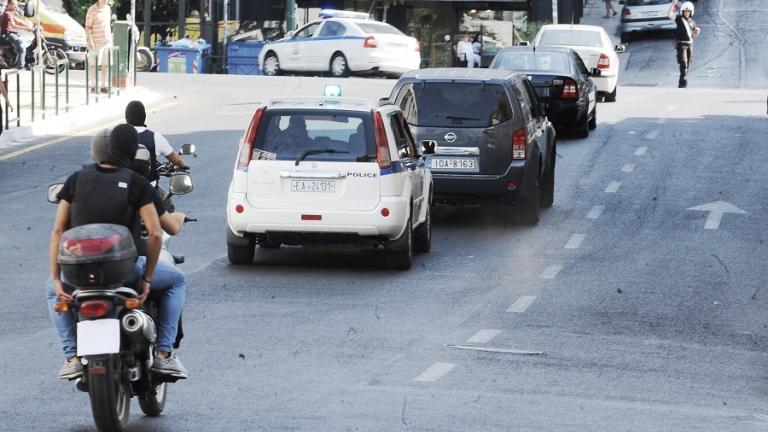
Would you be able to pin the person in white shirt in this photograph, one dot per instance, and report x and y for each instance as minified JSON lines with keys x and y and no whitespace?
{"x":136,"y":115}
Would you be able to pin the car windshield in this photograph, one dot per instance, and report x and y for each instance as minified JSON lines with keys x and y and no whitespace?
{"x":571,"y":37}
{"x":460,"y":105}
{"x":378,"y":28}
{"x":532,"y":62}
{"x":286,"y":135}
{"x":647,"y":2}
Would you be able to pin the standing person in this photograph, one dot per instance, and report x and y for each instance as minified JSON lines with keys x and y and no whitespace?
{"x":10,"y":26}
{"x":609,"y":8}
{"x":98,"y":32}
{"x":477,"y":49}
{"x":7,"y":101}
{"x":686,"y":31}
{"x":467,"y":52}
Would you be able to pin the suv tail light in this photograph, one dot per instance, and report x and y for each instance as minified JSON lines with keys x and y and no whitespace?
{"x":370,"y":42}
{"x":95,"y":308}
{"x":382,"y":145}
{"x":604,"y":62}
{"x":246,"y":147}
{"x":570,"y":90}
{"x":519,"y":145}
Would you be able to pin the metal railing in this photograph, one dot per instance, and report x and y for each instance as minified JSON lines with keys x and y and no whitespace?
{"x":18,"y":99}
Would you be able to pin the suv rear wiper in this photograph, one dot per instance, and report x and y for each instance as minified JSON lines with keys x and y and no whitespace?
{"x":451,"y":117}
{"x":317,"y":151}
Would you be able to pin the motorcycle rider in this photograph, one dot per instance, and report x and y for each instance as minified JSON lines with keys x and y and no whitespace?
{"x":136,"y":115}
{"x":10,"y":25}
{"x":108,"y":192}
{"x":686,"y":31}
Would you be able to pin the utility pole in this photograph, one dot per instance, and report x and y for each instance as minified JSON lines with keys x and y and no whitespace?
{"x":290,"y":15}
{"x":554,"y":11}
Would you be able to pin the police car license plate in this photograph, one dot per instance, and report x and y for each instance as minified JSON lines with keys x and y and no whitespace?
{"x":326,"y":186}
{"x":98,"y":337}
{"x":454,"y":163}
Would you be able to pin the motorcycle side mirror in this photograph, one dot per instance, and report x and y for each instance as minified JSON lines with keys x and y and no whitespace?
{"x":29,"y":9}
{"x":53,"y":191}
{"x":428,"y":147}
{"x":187,"y":149}
{"x":180,"y":184}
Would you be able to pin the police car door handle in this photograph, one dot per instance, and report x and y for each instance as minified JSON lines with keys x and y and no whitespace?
{"x":312,"y":175}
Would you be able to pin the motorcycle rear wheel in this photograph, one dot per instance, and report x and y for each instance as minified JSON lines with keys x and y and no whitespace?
{"x":152,"y":402}
{"x":110,"y":395}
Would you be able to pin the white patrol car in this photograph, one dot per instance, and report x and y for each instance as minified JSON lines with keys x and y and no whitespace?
{"x":342,"y":43}
{"x":329,"y":170}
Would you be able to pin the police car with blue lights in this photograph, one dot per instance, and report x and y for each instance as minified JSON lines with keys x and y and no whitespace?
{"x":341,"y":43}
{"x":329,"y":170}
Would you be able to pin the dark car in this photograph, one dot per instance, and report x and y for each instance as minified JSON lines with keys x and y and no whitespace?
{"x":484,"y":135}
{"x":560,"y":79}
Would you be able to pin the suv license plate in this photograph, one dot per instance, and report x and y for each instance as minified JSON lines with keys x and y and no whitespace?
{"x":326,"y":186}
{"x":454,"y":163}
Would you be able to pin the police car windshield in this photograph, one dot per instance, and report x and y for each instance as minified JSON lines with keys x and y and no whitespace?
{"x":288,"y":134}
{"x":571,"y":37}
{"x":470,"y":105}
{"x":379,"y":28}
{"x":554,"y":63}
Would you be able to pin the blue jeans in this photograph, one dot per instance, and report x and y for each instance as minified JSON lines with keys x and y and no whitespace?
{"x":168,"y":279}
{"x":20,"y":47}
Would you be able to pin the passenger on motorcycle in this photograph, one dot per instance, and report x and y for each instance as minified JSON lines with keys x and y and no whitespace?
{"x":10,"y":25}
{"x":136,"y":115}
{"x":109,"y":192}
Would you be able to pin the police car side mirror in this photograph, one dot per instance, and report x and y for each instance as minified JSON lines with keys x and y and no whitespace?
{"x":54,"y":190}
{"x":596,"y":72}
{"x":290,"y":34}
{"x":620,"y":48}
{"x":428,"y":147}
{"x":180,"y":184}
{"x":187,"y":149}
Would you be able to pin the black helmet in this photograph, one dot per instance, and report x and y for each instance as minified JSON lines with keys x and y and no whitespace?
{"x":122,"y":145}
{"x":135,"y":113}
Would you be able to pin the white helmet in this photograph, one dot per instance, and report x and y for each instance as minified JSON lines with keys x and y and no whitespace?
{"x":687,"y":6}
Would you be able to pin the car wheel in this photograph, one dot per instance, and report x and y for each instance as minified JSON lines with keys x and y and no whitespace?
{"x":271,"y":65}
{"x":400,"y":251}
{"x":529,"y":206}
{"x":611,"y":97}
{"x":548,"y":185}
{"x":240,"y":255}
{"x":626,"y":37}
{"x":339,"y":67}
{"x":593,"y":120}
{"x":422,"y":236}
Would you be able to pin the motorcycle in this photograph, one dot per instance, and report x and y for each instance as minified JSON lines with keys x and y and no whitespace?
{"x":49,"y":53}
{"x":116,"y":335}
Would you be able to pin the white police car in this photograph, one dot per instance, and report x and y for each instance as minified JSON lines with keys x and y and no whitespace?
{"x":341,"y":43}
{"x":329,"y":170}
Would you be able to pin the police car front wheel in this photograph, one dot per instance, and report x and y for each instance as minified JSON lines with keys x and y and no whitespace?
{"x":339,"y":66}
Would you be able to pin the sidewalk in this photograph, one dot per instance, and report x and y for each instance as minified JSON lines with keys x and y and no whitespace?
{"x":71,"y":117}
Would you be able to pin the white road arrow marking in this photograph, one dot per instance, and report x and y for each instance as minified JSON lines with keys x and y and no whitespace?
{"x":716,"y":211}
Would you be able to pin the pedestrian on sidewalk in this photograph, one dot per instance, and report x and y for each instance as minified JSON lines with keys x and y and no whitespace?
{"x":7,"y":102}
{"x":686,"y":31}
{"x":98,"y":31}
{"x":609,"y":8}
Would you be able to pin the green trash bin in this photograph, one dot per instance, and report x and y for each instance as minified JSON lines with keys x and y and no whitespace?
{"x":121,"y":38}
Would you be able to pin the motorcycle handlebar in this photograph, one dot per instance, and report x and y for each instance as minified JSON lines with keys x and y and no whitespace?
{"x":189,"y":219}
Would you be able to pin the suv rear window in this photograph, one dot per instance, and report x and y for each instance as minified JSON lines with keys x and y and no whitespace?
{"x":469,"y":105}
{"x":285,"y":135}
{"x":529,"y":62}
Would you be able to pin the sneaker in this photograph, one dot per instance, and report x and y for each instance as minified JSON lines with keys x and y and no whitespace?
{"x":104,"y":90}
{"x":71,"y":369}
{"x":169,"y":366}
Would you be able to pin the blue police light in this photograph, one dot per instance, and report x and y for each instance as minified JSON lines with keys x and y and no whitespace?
{"x":333,"y":13}
{"x":332,"y":90}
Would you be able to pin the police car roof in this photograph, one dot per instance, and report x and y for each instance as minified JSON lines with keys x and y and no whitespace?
{"x":467,"y":74}
{"x":329,"y":103}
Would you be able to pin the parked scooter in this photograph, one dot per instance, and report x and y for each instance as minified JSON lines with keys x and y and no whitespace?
{"x":116,"y":335}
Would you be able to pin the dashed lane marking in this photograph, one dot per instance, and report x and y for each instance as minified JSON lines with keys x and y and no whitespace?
{"x":595,"y":212}
{"x":641,"y":151}
{"x":628,"y":168}
{"x":483,"y":336}
{"x":496,"y":350}
{"x":435,"y":372}
{"x":575,"y":241}
{"x":652,"y":134}
{"x":522,"y":304}
{"x":613,"y":187}
{"x":551,"y":271}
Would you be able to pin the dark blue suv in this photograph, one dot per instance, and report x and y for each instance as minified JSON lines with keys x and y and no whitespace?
{"x":484,"y":135}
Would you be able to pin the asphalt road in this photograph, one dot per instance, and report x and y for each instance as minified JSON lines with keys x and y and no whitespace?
{"x":618,"y":312}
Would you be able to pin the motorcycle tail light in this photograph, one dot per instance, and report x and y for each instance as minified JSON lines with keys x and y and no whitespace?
{"x":61,"y":307}
{"x":132,"y":303}
{"x":90,"y":247}
{"x":95,"y":308}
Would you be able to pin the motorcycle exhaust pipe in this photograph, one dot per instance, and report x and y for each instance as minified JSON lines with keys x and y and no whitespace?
{"x":137,"y":324}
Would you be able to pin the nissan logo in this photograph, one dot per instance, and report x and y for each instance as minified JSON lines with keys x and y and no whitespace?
{"x":450,"y":137}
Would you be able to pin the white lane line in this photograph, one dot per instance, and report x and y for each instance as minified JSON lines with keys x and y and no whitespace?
{"x":496,"y":350}
{"x":595,"y":212}
{"x":435,"y":372}
{"x":575,"y":241}
{"x":551,"y":271}
{"x":661,"y":120}
{"x":483,"y":336}
{"x":613,"y":187}
{"x":641,"y":151}
{"x":652,"y":134}
{"x":522,"y":304}
{"x":671,"y":108}
{"x":628,"y":168}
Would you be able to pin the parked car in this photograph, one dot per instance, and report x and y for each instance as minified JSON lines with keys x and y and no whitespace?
{"x":61,"y":30}
{"x":560,"y":79}
{"x":484,"y":134}
{"x":342,"y":46}
{"x":595,"y":48}
{"x":645,"y":16}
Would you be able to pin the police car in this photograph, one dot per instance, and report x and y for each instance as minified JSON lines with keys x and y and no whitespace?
{"x":341,"y":43}
{"x":329,"y":170}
